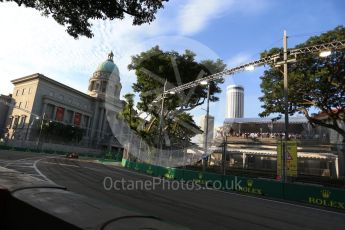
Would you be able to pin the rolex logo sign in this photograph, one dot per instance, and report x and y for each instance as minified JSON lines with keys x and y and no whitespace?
{"x":325,"y":199}
{"x":325,"y":194}
{"x":250,"y":188}
{"x":249,"y":183}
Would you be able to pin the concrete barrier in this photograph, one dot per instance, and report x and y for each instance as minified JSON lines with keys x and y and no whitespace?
{"x":30,"y":203}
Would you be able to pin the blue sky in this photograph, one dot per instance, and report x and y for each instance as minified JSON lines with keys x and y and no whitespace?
{"x":233,"y":30}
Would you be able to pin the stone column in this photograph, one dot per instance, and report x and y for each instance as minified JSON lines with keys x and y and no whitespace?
{"x":44,"y":107}
{"x":94,"y":122}
{"x":54,"y":113}
{"x":88,"y":126}
{"x":104,"y":121}
{"x":99,"y":127}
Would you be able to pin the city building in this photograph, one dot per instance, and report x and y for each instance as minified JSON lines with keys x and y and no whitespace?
{"x":202,"y":124}
{"x":5,"y":101}
{"x":67,"y":117}
{"x":234,"y":101}
{"x":252,"y":143}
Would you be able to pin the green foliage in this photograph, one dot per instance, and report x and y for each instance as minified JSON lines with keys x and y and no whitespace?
{"x":76,"y":14}
{"x":154,"y":66}
{"x":129,"y":113}
{"x":152,"y":69}
{"x":56,"y":131}
{"x":314,"y":82}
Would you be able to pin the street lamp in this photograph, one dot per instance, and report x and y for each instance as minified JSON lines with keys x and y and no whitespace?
{"x":204,"y":82}
{"x":40,"y":133}
{"x":30,"y":125}
{"x":325,"y":53}
{"x":161,"y":119}
{"x":204,"y":160}
{"x":249,"y":68}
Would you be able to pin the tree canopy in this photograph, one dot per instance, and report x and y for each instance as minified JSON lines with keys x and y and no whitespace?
{"x":314,"y":82}
{"x":155,"y":67}
{"x":76,"y":14}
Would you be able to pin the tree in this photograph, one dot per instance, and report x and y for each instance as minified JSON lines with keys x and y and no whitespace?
{"x":76,"y":14}
{"x":129,"y":113}
{"x":155,"y":67}
{"x":314,"y":82}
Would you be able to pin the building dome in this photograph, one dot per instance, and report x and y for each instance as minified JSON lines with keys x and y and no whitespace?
{"x":108,"y":66}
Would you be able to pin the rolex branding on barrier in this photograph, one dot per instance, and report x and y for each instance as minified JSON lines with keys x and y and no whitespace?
{"x":325,"y":200}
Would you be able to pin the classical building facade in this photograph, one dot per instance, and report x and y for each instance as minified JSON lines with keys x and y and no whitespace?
{"x":5,"y":101}
{"x":39,"y":100}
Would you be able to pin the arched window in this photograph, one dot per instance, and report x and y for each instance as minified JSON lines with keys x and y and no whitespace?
{"x":104,"y":86}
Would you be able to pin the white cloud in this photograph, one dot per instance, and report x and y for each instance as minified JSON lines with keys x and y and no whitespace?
{"x":196,"y":14}
{"x":31,"y":43}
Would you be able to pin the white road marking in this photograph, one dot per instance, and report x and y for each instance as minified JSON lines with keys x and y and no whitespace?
{"x":47,"y":162}
{"x":39,"y":172}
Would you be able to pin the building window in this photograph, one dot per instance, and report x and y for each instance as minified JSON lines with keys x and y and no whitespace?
{"x":49,"y":113}
{"x":10,"y":120}
{"x":77,"y":119}
{"x":22,"y":122}
{"x":85,"y":121}
{"x":68,"y":117}
{"x":97,"y":86}
{"x":15,"y":123}
{"x":20,"y":105}
{"x":60,"y":112}
{"x":26,"y":104}
{"x":29,"y":91}
{"x":104,"y":86}
{"x":17,"y":92}
{"x":23,"y":91}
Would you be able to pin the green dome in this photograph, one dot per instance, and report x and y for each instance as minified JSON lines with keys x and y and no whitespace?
{"x":108,"y":65}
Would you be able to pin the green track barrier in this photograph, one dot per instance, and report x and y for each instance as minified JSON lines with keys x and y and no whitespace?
{"x":315,"y":195}
{"x":254,"y":186}
{"x":321,"y":196}
{"x":189,"y":175}
{"x":5,"y":147}
{"x":173,"y":173}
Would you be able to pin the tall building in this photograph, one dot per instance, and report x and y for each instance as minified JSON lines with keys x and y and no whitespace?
{"x":5,"y":101}
{"x":38,"y":99}
{"x":234,"y":101}
{"x":202,"y":125}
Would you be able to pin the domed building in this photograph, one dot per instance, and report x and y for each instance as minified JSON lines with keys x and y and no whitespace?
{"x":106,"y":75}
{"x":42,"y":100}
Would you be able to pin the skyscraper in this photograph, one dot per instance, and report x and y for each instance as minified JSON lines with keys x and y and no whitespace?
{"x":234,"y":101}
{"x":202,"y":125}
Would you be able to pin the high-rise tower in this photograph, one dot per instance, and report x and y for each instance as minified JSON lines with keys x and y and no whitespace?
{"x":234,"y":101}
